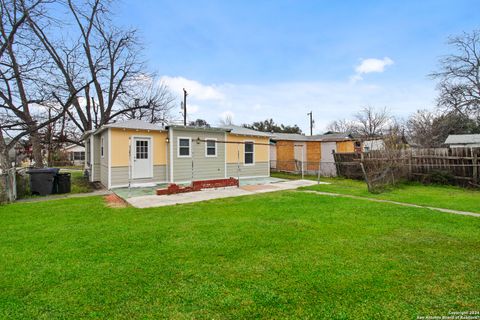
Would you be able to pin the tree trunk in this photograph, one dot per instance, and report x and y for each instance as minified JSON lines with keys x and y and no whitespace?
{"x":37,"y":148}
{"x":4,"y":161}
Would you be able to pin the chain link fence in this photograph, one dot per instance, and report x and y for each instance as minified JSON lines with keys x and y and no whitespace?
{"x":320,"y":169}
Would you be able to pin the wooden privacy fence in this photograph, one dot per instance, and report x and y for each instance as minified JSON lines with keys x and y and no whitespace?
{"x":457,"y":165}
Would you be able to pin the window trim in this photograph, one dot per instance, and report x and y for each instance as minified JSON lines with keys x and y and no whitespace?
{"x":253,"y":152}
{"x":189,"y":147}
{"x":206,"y":148}
{"x":79,"y":153}
{"x":102,"y":147}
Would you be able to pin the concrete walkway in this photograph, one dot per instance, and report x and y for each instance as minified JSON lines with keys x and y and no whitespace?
{"x":465,"y":213}
{"x":102,"y":192}
{"x":209,"y":194}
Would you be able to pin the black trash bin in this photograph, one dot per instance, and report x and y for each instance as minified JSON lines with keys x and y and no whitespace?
{"x":63,"y":183}
{"x":42,"y":181}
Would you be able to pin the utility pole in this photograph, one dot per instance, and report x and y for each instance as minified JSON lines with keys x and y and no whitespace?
{"x":185,"y":94}
{"x":311,"y":122}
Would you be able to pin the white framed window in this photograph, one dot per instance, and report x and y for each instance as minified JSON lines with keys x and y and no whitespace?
{"x":249,"y":153}
{"x":184,"y":147}
{"x":210,"y":147}
{"x":78,"y":155}
{"x":102,"y":147}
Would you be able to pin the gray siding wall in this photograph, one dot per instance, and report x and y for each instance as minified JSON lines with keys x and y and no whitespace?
{"x":259,"y":169}
{"x":96,"y":158}
{"x":203,"y":167}
{"x":120,"y":176}
{"x":104,"y":159}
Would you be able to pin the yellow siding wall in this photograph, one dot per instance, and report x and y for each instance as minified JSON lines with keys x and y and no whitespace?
{"x":120,"y":143}
{"x":345,"y":146}
{"x":261,"y":151}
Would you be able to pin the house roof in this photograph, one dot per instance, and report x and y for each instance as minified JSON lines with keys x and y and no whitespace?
{"x":73,"y":146}
{"x":245,"y":131}
{"x":134,"y":124}
{"x":318,"y":137}
{"x":193,"y":128}
{"x":289,"y":136}
{"x":332,"y":137}
{"x":463,"y":139}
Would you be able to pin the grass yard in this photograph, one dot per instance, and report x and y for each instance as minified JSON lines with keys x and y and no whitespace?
{"x":449,"y":197}
{"x":278,"y":255}
{"x":79,"y":183}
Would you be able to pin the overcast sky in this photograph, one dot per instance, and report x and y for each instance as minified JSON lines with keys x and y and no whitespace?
{"x":281,"y":59}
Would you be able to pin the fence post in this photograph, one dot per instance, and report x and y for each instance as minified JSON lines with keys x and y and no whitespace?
{"x":302,"y":161}
{"x":474,"y":166}
{"x":410,"y":159}
{"x":364,"y":171}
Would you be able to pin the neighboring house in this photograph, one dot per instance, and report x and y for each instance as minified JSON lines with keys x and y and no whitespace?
{"x":315,"y":153}
{"x":137,"y":153}
{"x":75,"y":154}
{"x":373,"y":145}
{"x":19,"y":152}
{"x":463,"y":140}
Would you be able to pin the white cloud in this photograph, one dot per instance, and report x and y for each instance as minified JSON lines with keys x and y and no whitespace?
{"x":192,"y":108}
{"x":195,"y":89}
{"x":373,"y":65}
{"x":289,"y":102}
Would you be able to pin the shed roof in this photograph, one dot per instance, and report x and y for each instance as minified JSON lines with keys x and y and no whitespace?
{"x":463,"y":139}
{"x":194,"y":128}
{"x":245,"y":131}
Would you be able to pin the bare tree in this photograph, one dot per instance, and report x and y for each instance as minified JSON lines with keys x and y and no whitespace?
{"x":27,"y":93}
{"x":226,"y":120}
{"x":371,"y":122}
{"x":148,"y":100}
{"x":430,"y":130}
{"x":343,"y":126}
{"x":459,"y":76}
{"x":104,"y":59}
{"x":420,"y":128}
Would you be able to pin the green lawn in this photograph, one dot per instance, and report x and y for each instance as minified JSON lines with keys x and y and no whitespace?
{"x":278,"y":255}
{"x":449,"y":197}
{"x":79,"y":183}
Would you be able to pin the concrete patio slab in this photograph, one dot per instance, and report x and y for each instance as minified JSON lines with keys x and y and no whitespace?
{"x":150,"y":201}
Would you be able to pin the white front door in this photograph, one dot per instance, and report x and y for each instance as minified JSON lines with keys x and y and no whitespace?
{"x":142,"y":158}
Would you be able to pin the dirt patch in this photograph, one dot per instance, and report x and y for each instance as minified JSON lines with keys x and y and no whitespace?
{"x":114,"y":201}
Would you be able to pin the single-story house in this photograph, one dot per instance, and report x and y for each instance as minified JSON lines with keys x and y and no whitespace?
{"x":75,"y":154}
{"x":136,"y":153}
{"x":289,"y":151}
{"x":372,"y":144}
{"x":463,"y":140}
